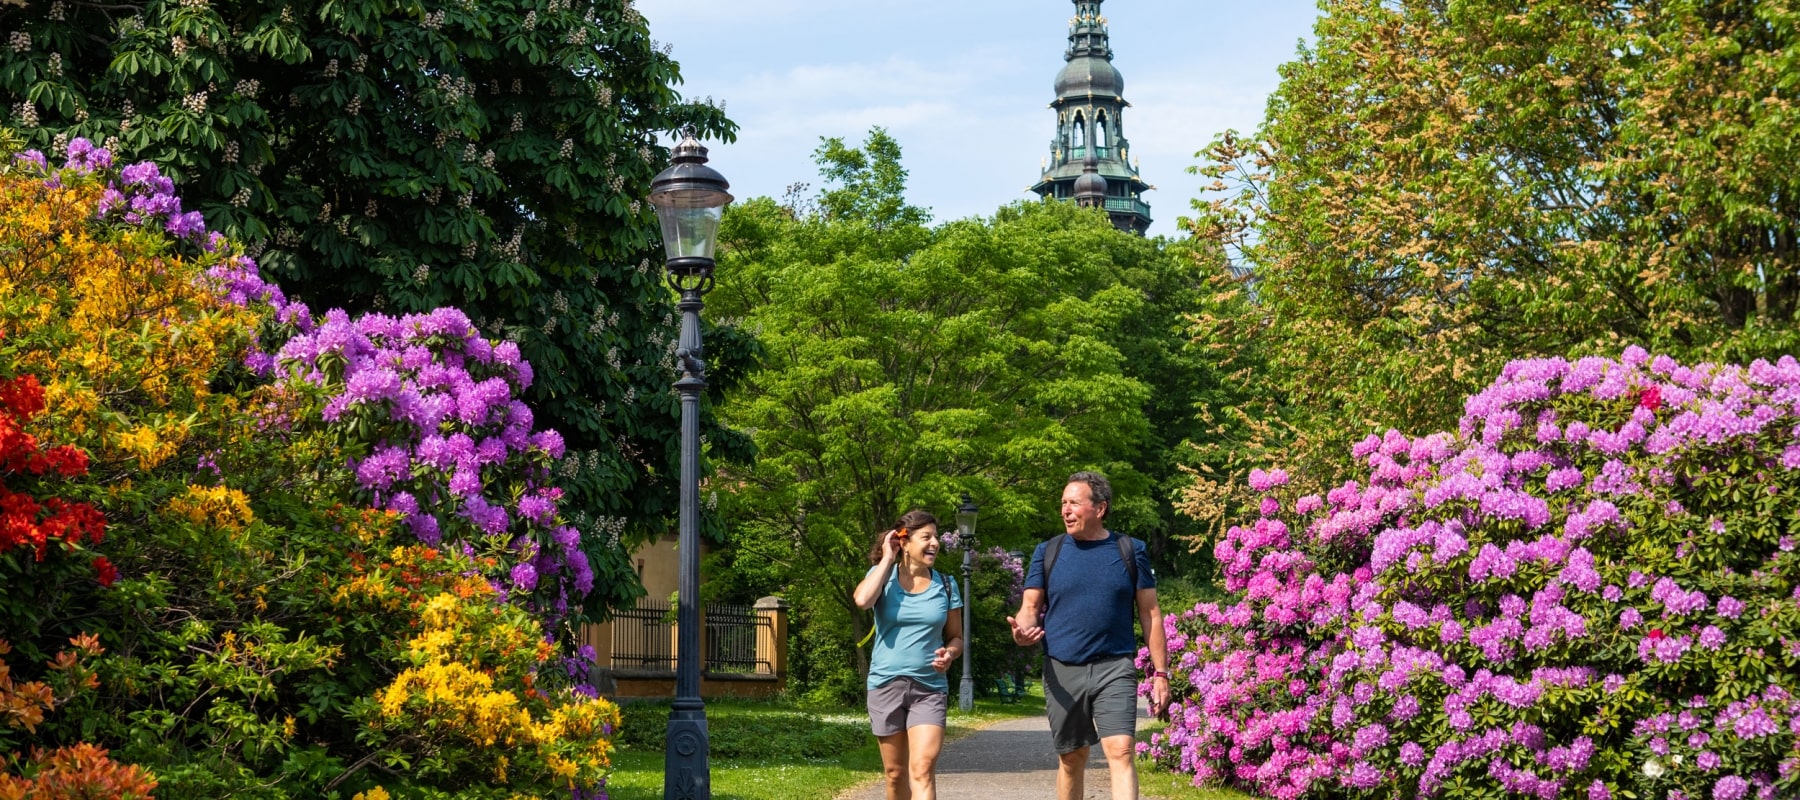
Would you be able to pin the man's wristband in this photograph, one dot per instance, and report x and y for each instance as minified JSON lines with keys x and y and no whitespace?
{"x":1159,"y":673}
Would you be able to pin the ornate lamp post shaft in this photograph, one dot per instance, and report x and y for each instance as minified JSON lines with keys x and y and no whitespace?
{"x":965,"y":527}
{"x":690,"y":198}
{"x":965,"y":697}
{"x":687,"y":773}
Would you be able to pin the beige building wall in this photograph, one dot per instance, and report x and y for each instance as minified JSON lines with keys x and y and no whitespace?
{"x":658,"y":565}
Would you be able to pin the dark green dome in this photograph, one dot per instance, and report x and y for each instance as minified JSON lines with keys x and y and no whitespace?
{"x":1091,"y":186}
{"x":1083,"y":76}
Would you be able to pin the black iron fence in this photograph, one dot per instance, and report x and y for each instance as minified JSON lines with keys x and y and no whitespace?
{"x":643,"y":637}
{"x":732,"y":633}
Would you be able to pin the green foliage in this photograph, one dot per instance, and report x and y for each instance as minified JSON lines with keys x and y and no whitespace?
{"x":1441,"y":187}
{"x":998,"y":579}
{"x":825,"y":667}
{"x":402,"y":157}
{"x":903,"y":365}
{"x":750,"y":731}
{"x":870,"y":183}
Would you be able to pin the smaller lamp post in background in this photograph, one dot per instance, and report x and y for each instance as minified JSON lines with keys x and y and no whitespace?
{"x":690,"y":198}
{"x":965,"y":531}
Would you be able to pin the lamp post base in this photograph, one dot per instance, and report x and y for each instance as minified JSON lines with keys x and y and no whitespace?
{"x":966,"y":698}
{"x":686,"y":775}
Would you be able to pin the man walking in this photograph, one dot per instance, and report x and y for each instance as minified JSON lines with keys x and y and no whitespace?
{"x":1080,"y":596}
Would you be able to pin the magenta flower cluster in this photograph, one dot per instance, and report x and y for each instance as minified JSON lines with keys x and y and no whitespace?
{"x":140,"y":196}
{"x":1015,"y":569}
{"x":1588,"y":590}
{"x":451,"y":447}
{"x":999,"y":557}
{"x":431,"y":404}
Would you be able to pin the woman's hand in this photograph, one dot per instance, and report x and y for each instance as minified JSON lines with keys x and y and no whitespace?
{"x":869,"y":590}
{"x":941,"y":659}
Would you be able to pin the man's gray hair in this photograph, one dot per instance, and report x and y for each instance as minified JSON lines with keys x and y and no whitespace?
{"x":1099,"y":488}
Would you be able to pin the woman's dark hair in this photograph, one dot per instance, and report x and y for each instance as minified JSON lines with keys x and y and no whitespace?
{"x":909,"y":522}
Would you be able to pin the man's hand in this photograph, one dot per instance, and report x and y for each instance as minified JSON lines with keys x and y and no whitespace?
{"x":1159,"y":697}
{"x":941,"y":659}
{"x":1025,"y":635}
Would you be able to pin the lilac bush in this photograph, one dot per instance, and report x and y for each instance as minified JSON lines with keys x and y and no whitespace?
{"x":1589,"y":590}
{"x":428,"y":408}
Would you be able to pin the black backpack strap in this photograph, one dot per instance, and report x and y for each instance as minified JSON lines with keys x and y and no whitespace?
{"x":1051,"y":550}
{"x":1128,"y":554}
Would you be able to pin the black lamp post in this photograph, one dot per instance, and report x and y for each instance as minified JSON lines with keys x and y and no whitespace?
{"x":965,"y":530}
{"x":690,"y":198}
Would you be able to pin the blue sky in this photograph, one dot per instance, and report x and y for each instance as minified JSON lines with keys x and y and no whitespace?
{"x":964,"y":86}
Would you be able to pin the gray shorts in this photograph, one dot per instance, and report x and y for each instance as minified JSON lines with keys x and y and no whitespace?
{"x":1090,"y":702}
{"x":904,"y":703}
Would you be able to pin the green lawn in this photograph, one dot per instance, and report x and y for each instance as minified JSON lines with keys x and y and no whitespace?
{"x":776,"y":751}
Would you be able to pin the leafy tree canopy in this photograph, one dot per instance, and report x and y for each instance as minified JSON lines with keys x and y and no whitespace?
{"x":1439,"y":188}
{"x":869,"y":182}
{"x":406,"y":156}
{"x":904,"y":365}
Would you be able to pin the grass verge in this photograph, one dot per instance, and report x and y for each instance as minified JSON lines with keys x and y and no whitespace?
{"x":1154,"y":782}
{"x":775,"y":750}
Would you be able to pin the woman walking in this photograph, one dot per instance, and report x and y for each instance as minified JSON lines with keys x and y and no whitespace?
{"x":916,"y":638}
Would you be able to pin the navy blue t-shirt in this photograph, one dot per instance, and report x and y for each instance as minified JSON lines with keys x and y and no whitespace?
{"x":1089,"y":611}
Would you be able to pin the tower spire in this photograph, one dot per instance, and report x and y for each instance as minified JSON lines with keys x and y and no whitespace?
{"x":1087,"y":32}
{"x":1089,"y":106}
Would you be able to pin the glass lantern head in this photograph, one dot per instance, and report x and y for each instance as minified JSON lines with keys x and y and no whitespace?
{"x":690,"y":198}
{"x":965,"y":518}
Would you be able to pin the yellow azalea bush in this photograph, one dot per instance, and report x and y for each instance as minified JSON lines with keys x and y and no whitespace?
{"x":120,"y":323}
{"x":466,"y":703}
{"x":216,"y":506}
{"x":265,"y":635}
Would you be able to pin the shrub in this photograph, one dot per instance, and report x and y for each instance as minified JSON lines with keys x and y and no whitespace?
{"x":78,"y":771}
{"x":266,"y":633}
{"x":1589,"y":590}
{"x":824,"y":667}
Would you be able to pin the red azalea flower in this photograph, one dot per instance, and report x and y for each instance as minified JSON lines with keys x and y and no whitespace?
{"x":1656,"y":634}
{"x":23,"y":396}
{"x":105,"y":571}
{"x":1650,"y":398}
{"x":67,"y":460}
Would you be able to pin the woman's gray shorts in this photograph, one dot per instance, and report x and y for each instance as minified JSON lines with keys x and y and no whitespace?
{"x":1090,"y":702}
{"x":903,"y":703}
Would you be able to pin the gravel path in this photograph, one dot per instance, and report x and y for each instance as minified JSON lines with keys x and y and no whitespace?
{"x":1009,"y":760}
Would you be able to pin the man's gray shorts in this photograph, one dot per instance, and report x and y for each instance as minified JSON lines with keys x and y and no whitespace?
{"x":1090,"y":702}
{"x":904,"y":703}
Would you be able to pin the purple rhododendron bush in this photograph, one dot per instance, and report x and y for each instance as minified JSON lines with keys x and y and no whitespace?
{"x":1587,"y":591}
{"x":427,"y":413}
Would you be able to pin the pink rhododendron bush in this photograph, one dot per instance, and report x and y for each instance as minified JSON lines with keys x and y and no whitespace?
{"x":1587,"y":591}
